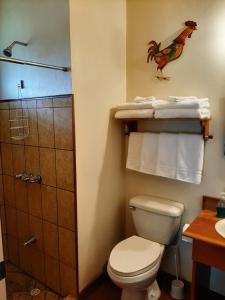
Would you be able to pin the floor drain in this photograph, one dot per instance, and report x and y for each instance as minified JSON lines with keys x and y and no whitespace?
{"x":35,"y":292}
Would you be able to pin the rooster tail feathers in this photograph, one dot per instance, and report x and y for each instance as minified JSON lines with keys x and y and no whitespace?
{"x":153,"y":49}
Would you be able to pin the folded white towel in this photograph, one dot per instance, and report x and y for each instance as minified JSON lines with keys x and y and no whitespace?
{"x":190,"y":154}
{"x":149,"y":153}
{"x":167,"y":155}
{"x":134,"y":151}
{"x":188,"y":104}
{"x":134,"y":113}
{"x":139,"y":99}
{"x":142,"y":152}
{"x":139,"y":105}
{"x":134,"y":105}
{"x":181,"y":98}
{"x":202,"y":113}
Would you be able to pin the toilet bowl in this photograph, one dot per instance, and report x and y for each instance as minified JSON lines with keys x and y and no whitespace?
{"x":133,"y":263}
{"x":133,"y":266}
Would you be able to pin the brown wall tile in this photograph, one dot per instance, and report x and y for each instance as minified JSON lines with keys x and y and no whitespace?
{"x":67,"y":252}
{"x":7,"y":162}
{"x":3,"y":219}
{"x":15,"y":117}
{"x":25,"y":258}
{"x":29,"y":103}
{"x":51,"y":240}
{"x":49,"y":203}
{"x":5,"y":247}
{"x":1,"y":190}
{"x":11,"y":221}
{"x":18,"y":154}
{"x":34,"y":199}
{"x":63,"y":128}
{"x":38,"y":265}
{"x":36,"y":230}
{"x":48,"y":168}
{"x":32,"y":139}
{"x":62,"y":102}
{"x":23,"y":226}
{"x":21,"y":195}
{"x":4,"y":129}
{"x":65,"y":170}
{"x":9,"y":192}
{"x":67,"y":280}
{"x":32,"y":160}
{"x":52,"y":273}
{"x":13,"y":250}
{"x":66,"y":209}
{"x":45,"y":127}
{"x":47,"y":102}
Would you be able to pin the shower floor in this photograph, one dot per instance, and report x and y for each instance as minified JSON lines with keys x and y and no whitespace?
{"x":19,"y":286}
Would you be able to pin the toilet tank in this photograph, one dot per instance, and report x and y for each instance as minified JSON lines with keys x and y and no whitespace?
{"x":155,"y":218}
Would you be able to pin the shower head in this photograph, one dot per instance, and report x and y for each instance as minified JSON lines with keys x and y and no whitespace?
{"x":8,"y":51}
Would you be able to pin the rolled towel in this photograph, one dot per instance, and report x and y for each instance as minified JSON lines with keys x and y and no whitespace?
{"x":187,"y":104}
{"x":134,"y":113}
{"x":202,"y":113}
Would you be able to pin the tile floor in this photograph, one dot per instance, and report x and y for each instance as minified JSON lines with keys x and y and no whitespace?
{"x":19,"y":285}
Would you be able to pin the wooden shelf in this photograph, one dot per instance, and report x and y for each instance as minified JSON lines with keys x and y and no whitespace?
{"x":132,"y":124}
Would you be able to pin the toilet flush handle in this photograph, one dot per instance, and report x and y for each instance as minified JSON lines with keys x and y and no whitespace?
{"x":132,"y":207}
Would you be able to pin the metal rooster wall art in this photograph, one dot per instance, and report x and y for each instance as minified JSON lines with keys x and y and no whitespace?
{"x":173,"y":51}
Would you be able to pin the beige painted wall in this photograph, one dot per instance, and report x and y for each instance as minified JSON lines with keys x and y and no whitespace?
{"x":98,"y":42}
{"x":200,"y":71}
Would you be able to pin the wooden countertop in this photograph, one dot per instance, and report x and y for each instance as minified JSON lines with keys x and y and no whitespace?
{"x":203,"y":229}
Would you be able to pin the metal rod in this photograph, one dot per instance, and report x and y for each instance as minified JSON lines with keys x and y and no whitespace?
{"x":34,"y":64}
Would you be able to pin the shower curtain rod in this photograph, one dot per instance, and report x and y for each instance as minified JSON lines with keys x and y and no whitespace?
{"x":31,"y":63}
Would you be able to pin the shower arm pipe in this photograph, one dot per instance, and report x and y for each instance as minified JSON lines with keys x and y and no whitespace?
{"x":34,"y":64}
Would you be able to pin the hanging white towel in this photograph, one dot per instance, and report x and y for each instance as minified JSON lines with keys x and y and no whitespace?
{"x":190,"y":154}
{"x":149,"y":153}
{"x":134,"y":151}
{"x":167,"y":155}
{"x":134,"y":113}
{"x":142,"y":152}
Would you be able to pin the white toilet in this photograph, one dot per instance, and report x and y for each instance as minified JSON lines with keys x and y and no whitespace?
{"x":133,"y":263}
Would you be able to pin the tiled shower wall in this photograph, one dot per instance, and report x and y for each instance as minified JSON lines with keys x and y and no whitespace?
{"x":47,"y":210}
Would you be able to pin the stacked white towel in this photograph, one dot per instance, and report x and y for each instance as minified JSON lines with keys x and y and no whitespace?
{"x":183,"y":107}
{"x":176,"y":156}
{"x":140,"y":107}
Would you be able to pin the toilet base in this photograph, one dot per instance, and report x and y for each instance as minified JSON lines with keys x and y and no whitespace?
{"x":151,"y":293}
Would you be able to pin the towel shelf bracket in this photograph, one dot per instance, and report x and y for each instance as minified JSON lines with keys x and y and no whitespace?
{"x":131,"y":125}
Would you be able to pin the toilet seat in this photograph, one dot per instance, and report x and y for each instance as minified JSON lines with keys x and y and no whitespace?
{"x":134,"y":256}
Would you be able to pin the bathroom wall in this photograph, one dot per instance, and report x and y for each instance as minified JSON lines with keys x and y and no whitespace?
{"x":98,"y":46}
{"x":44,"y":24}
{"x":200,"y":71}
{"x":46,"y":211}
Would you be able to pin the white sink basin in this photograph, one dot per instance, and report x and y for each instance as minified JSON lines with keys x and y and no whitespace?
{"x":220,"y":227}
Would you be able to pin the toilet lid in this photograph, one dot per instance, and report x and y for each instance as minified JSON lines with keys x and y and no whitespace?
{"x":134,"y":255}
